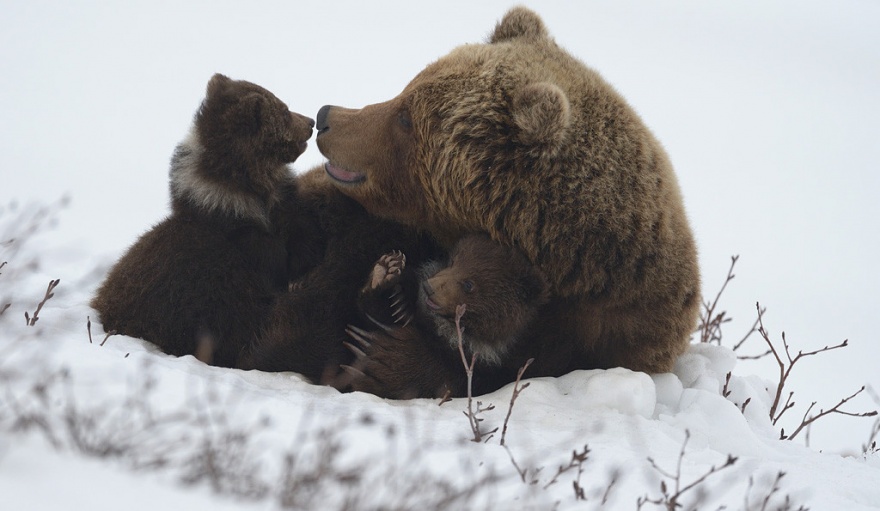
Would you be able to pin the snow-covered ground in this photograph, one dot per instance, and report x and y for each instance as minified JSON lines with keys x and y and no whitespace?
{"x":769,"y":111}
{"x":86,"y":425}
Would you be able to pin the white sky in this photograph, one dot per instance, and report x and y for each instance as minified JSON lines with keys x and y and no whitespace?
{"x":769,"y":110}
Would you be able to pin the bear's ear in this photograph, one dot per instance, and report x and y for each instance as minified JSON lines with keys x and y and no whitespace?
{"x":250,"y":114}
{"x":217,"y":84}
{"x":542,"y":113}
{"x":519,"y":22}
{"x":535,"y":287}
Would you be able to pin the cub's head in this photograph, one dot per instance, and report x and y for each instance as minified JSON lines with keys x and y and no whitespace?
{"x":235,"y":157}
{"x":500,"y":288}
{"x":245,"y":122}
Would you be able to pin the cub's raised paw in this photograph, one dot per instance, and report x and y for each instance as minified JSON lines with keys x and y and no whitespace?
{"x":388,"y":269}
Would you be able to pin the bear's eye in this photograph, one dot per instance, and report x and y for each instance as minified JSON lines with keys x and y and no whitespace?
{"x":404,"y":119}
{"x":467,"y":286}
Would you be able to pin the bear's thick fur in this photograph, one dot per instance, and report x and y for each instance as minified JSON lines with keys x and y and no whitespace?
{"x":517,"y":139}
{"x":203,"y":280}
{"x":305,"y":330}
{"x":502,"y":293}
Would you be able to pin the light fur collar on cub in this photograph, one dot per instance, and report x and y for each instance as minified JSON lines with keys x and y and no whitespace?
{"x":188,"y":184}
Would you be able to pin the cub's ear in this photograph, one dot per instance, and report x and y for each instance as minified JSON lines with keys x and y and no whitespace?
{"x":542,"y":113}
{"x":519,"y":22}
{"x":250,"y":114}
{"x":217,"y":84}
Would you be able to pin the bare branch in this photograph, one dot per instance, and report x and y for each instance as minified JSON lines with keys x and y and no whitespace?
{"x":785,"y":369}
{"x":671,"y":500}
{"x":31,"y":321}
{"x":710,"y":323}
{"x":109,"y":334}
{"x":471,"y":414}
{"x":836,"y":409}
{"x":516,"y":390}
{"x":577,"y":461}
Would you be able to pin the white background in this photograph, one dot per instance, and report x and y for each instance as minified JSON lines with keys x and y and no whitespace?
{"x":769,"y":111}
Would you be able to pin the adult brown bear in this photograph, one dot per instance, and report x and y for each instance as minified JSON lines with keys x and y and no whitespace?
{"x":517,"y":139}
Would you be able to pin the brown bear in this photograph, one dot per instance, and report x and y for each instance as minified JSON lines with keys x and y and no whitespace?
{"x":502,"y":293}
{"x":517,"y":139}
{"x":202,"y":280}
{"x":305,"y":330}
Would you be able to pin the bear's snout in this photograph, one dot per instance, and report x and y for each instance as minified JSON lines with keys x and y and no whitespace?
{"x":323,"y":125}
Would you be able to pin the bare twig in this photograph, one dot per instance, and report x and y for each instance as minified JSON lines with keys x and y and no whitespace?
{"x":807,"y":420}
{"x":725,"y":391}
{"x":615,"y":476}
{"x":577,"y":461}
{"x":471,"y":413}
{"x":521,"y":471}
{"x":516,"y":390}
{"x":671,"y":499}
{"x":746,"y":337}
{"x":710,"y":323}
{"x":109,"y":334}
{"x":31,"y":321}
{"x":785,"y":367}
{"x":870,"y":447}
{"x":89,"y":328}
{"x":766,"y":501}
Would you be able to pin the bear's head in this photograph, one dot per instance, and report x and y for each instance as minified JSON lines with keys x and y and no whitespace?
{"x":484,"y":114}
{"x":501,"y":290}
{"x":518,"y":139}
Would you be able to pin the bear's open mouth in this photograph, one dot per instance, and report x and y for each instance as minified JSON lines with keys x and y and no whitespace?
{"x":342,"y":175}
{"x":431,"y":304}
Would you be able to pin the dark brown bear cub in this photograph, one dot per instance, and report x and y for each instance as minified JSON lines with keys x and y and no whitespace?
{"x":502,"y":293}
{"x":202,"y":280}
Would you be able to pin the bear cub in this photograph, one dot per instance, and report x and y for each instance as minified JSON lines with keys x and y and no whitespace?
{"x":501,"y":291}
{"x":201,"y":281}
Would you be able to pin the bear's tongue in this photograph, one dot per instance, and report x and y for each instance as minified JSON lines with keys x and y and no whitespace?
{"x":340,"y":174}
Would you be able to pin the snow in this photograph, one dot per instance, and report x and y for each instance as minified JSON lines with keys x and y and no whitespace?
{"x":124,"y":421}
{"x":768,"y":109}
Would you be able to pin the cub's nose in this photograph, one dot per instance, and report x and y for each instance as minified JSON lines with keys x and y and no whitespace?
{"x":303,"y":118}
{"x":322,"y":124}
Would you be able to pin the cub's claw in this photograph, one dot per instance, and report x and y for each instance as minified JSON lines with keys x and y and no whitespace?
{"x":359,"y":353}
{"x":359,"y":335}
{"x":356,"y":373}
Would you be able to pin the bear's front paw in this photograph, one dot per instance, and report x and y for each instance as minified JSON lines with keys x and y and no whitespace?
{"x":389,"y":363}
{"x":388,"y":270}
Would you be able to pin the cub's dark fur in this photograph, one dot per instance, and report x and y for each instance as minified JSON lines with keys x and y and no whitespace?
{"x":306,"y":327}
{"x":203,"y":280}
{"x":502,"y":292}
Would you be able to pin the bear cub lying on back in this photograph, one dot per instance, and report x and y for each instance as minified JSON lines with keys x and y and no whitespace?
{"x":502,"y":293}
{"x":202,"y":280}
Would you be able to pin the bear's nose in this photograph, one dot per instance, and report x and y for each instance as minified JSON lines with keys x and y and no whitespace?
{"x":322,"y":119}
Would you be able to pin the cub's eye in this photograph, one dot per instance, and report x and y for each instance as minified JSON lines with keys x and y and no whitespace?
{"x":404,"y":119}
{"x":467,"y":285}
